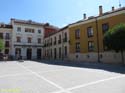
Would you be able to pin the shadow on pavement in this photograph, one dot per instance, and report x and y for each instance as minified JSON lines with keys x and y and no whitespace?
{"x":117,"y":68}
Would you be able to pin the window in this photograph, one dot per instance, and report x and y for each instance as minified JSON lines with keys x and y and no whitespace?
{"x":105,"y":47}
{"x":26,"y":29}
{"x":18,"y":39}
{"x":7,"y":36}
{"x":51,"y":41}
{"x":29,"y":39}
{"x":59,"y":41}
{"x":65,"y":51}
{"x":51,"y":53}
{"x":7,"y":44}
{"x":18,"y":52}
{"x":1,"y":35}
{"x":55,"y":53}
{"x":45,"y":52}
{"x":90,"y":46}
{"x":90,"y":31}
{"x":45,"y":43}
{"x":29,"y":30}
{"x":77,"y":33}
{"x":60,"y":52}
{"x":65,"y":37}
{"x":19,"y":29}
{"x":78,"y":47}
{"x":39,"y":31}
{"x":54,"y":40}
{"x":39,"y":40}
{"x":6,"y":51}
{"x":105,"y":27}
{"x":32,"y":30}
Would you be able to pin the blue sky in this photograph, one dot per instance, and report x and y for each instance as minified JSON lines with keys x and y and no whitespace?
{"x":56,"y":12}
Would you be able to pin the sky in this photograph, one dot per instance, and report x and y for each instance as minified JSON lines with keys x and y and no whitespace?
{"x":56,"y":12}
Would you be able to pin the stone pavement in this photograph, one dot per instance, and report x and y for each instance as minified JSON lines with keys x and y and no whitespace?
{"x":55,"y":77}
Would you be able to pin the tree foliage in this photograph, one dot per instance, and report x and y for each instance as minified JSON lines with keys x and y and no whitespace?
{"x":1,"y":45}
{"x":115,"y":37}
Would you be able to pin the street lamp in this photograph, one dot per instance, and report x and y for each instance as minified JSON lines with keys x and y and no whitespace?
{"x":119,"y":4}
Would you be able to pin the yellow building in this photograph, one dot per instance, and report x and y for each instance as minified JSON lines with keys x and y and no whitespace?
{"x":86,"y":36}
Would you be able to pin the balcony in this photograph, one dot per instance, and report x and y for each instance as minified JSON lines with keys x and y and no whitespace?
{"x":65,"y":40}
{"x":7,"y":37}
{"x":50,"y":44}
{"x":7,"y":45}
{"x":59,"y":41}
{"x":25,"y":44}
{"x":54,"y":42}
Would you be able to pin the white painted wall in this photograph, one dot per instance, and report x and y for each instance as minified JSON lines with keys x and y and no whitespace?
{"x":4,"y":31}
{"x":24,"y":35}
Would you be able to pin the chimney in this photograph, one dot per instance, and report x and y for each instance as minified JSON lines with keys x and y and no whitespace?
{"x":113,"y":8}
{"x":100,"y":10}
{"x":84,"y":16}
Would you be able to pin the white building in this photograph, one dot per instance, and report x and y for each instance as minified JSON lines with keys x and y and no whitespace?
{"x":27,"y":39}
{"x":5,"y":35}
{"x":56,"y":45}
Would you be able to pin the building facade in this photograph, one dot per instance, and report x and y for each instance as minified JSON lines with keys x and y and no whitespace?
{"x":86,"y":37}
{"x":6,"y":36}
{"x":56,"y":45}
{"x":49,"y":29}
{"x":27,"y":39}
{"x":79,"y":41}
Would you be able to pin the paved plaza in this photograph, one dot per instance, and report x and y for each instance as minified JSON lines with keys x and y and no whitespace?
{"x":41,"y":77}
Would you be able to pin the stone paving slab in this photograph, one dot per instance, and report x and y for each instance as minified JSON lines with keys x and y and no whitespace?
{"x":73,"y":77}
{"x":8,"y":68}
{"x":35,"y":77}
{"x":110,"y":86}
{"x":27,"y":84}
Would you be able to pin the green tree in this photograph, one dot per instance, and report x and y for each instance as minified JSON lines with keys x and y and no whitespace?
{"x":115,"y":39}
{"x":1,"y":45}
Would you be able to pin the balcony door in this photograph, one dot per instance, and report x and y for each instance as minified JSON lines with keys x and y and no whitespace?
{"x":38,"y":53}
{"x":29,"y":53}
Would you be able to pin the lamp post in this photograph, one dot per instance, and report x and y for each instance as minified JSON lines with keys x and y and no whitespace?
{"x":119,"y":4}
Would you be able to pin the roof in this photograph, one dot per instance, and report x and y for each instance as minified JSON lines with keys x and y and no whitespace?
{"x":60,"y":30}
{"x":104,"y":14}
{"x":2,"y":25}
{"x":26,"y":22}
{"x":47,"y":25}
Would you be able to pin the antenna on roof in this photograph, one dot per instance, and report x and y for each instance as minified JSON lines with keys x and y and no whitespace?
{"x":119,"y":4}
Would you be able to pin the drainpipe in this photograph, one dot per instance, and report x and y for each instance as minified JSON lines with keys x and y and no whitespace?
{"x":97,"y":39}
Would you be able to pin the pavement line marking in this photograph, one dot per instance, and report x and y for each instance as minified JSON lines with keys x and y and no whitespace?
{"x":92,"y":83}
{"x":43,"y":78}
{"x":96,"y":82}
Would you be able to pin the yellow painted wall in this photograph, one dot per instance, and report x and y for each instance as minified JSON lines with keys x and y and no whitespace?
{"x":114,"y":20}
{"x":83,"y":33}
{"x":83,"y":37}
